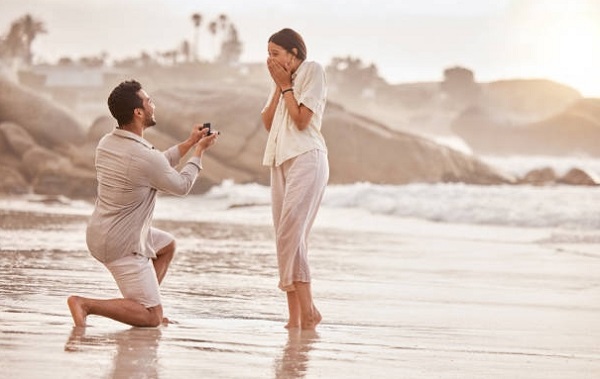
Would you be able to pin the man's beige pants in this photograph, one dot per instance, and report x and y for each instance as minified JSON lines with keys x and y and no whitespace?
{"x":297,"y":187}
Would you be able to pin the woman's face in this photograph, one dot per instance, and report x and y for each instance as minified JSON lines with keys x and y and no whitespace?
{"x":280,"y":54}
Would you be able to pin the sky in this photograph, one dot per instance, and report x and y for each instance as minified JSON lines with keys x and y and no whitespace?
{"x":408,"y":40}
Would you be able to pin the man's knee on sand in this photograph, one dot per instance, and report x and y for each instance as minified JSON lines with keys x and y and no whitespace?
{"x":155,"y":316}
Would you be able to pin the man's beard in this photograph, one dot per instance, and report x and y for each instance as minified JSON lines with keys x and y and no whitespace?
{"x":150,"y":121}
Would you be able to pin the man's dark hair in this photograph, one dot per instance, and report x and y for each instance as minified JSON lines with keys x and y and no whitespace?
{"x":123,"y":100}
{"x":290,"y":39}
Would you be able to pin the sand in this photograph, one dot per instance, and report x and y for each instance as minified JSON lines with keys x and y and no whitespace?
{"x":400,"y":298}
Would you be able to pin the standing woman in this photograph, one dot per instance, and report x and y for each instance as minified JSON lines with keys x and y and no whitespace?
{"x":297,"y":155}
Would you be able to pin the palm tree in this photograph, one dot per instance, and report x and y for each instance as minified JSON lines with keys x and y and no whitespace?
{"x":17,"y":44}
{"x":197,"y":20}
{"x":231,"y":48}
{"x":31,"y":28}
{"x":185,"y":50}
{"x":212,"y":28}
{"x":223,"y":21}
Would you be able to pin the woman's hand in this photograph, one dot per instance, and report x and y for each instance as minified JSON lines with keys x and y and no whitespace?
{"x":282,"y":75}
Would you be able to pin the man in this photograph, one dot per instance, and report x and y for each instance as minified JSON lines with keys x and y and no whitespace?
{"x":119,"y":234}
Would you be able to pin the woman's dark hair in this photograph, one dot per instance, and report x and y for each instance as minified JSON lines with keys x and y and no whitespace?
{"x":123,"y":100}
{"x":290,"y":39}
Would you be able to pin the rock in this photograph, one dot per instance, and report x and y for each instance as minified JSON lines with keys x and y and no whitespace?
{"x":573,"y":131}
{"x":74,"y":183}
{"x":363,"y":150}
{"x":12,"y":182}
{"x":577,"y":176}
{"x":82,"y":156}
{"x":50,"y":124}
{"x":528,"y":98}
{"x":360,"y":149}
{"x":233,"y":112}
{"x":17,"y":138}
{"x":4,"y":146}
{"x":38,"y":159}
{"x":539,"y":177}
{"x":161,"y":141}
{"x":101,"y":126}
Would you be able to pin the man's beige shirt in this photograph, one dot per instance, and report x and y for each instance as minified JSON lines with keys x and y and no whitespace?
{"x":130,"y":172}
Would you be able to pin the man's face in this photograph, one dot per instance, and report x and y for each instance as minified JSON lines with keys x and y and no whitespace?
{"x":148,"y":108}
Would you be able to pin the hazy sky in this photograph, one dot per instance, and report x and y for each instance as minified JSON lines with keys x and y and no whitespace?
{"x":408,"y":40}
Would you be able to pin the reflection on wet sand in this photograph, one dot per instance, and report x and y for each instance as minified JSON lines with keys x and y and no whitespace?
{"x":293,"y":363}
{"x":136,"y":350}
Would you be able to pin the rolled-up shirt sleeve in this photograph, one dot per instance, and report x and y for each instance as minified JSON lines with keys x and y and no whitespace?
{"x":159,"y":169}
{"x":312,"y":91}
{"x":173,"y":155}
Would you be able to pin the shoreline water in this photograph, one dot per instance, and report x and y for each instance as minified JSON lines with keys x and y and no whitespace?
{"x":401,"y":297}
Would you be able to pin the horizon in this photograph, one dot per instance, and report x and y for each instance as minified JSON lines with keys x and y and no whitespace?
{"x":411,"y":41}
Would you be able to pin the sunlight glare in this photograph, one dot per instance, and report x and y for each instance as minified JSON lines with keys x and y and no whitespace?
{"x":567,"y":44}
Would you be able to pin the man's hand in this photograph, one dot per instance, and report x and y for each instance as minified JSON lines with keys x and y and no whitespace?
{"x":197,"y":133}
{"x":205,"y":142}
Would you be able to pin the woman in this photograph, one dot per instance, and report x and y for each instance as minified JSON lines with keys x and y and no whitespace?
{"x":297,"y":155}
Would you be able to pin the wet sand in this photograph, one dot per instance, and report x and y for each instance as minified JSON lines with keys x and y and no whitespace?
{"x":400,"y":298}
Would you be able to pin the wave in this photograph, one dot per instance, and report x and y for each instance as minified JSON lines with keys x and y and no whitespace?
{"x":556,"y":206}
{"x":570,"y":207}
{"x":561,"y":206}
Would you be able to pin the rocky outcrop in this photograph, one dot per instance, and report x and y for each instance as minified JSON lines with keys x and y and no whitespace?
{"x":580,"y":177}
{"x":50,"y":124}
{"x":233,"y":112}
{"x":363,"y":150}
{"x":547,"y":176}
{"x":539,"y":177}
{"x":34,"y":136}
{"x":12,"y":181}
{"x":429,"y":109}
{"x":527,"y":99}
{"x":574,"y":131}
{"x":29,"y":167}
{"x":360,"y":149}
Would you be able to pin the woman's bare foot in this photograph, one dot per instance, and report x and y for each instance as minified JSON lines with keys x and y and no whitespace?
{"x":311,"y":321}
{"x":292,"y":325}
{"x":77,"y":310}
{"x":318,"y":316}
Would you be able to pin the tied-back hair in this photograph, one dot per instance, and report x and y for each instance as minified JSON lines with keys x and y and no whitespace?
{"x":290,"y":39}
{"x":123,"y":100}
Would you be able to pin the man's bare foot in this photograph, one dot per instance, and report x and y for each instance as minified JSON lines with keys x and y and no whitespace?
{"x":75,"y":337}
{"x":77,"y":312}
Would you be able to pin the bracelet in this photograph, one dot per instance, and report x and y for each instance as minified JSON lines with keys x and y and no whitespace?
{"x":287,"y":90}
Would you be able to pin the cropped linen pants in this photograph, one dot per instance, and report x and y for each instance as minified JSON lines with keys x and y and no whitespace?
{"x":297,"y":188}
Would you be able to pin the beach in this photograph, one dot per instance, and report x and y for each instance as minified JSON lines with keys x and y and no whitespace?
{"x":401,"y":296}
